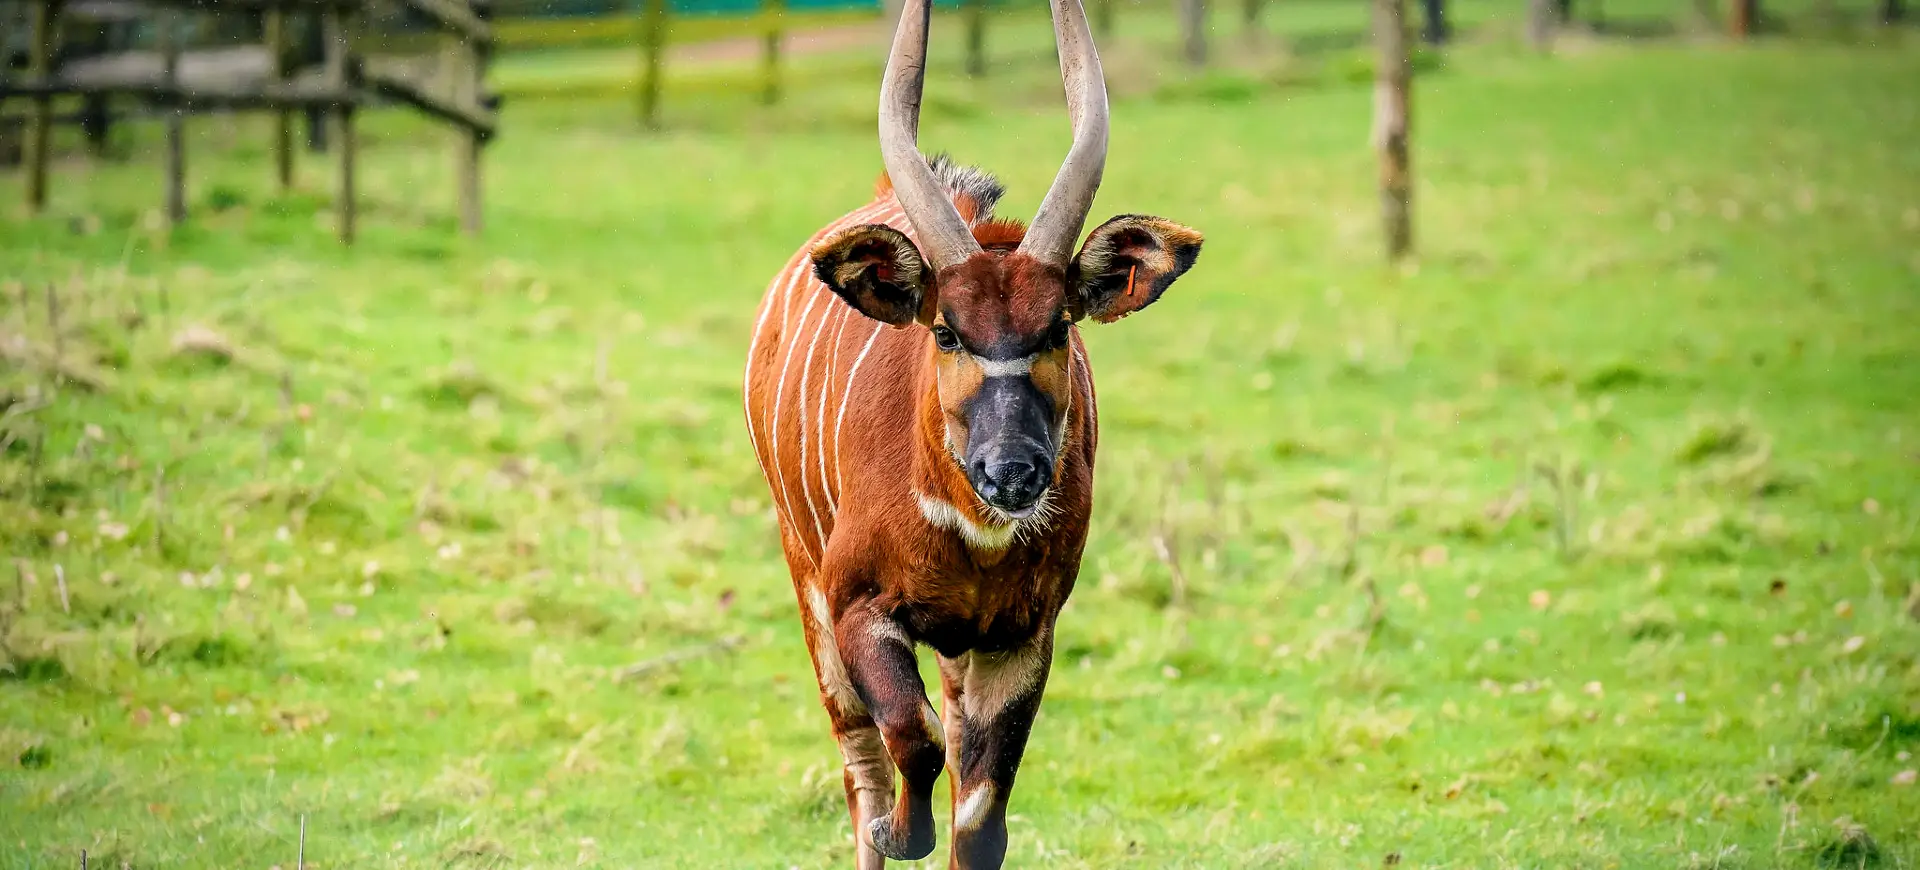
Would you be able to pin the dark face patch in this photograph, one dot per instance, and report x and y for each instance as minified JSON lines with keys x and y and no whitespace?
{"x":1005,"y":379}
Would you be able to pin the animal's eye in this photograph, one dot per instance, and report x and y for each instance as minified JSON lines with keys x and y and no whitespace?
{"x":944,"y":339}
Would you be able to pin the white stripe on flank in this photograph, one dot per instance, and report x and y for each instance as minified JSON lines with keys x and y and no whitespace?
{"x":839,"y":477}
{"x":826,"y":392}
{"x":1005,"y":368}
{"x":801,"y":269}
{"x":753,"y":348}
{"x":806,"y":489}
{"x":779,"y":389}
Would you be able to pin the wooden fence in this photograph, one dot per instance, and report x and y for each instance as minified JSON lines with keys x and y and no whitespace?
{"x":331,"y":75}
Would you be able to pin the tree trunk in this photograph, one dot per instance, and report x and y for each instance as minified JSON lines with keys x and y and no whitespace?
{"x":1436,"y":21}
{"x":1193,"y":23}
{"x":1103,"y":19}
{"x":1745,"y":14}
{"x":1892,"y":11}
{"x":1392,"y":124}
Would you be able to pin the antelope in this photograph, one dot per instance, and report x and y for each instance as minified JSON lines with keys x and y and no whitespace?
{"x":921,"y":405}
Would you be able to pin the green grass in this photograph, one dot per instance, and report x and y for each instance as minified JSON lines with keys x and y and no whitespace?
{"x":1588,"y":539}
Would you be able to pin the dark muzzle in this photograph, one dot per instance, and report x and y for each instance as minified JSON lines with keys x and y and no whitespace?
{"x":1008,"y":460}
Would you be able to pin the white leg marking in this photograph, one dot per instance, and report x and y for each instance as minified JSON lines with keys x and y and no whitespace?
{"x":931,"y":721}
{"x":826,"y":656}
{"x":944,"y":515}
{"x":995,"y":680}
{"x":972,"y":812}
{"x":956,"y":671}
{"x":866,"y":758}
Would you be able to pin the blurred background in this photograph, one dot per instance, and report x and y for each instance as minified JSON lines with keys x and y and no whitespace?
{"x":1527,"y":475}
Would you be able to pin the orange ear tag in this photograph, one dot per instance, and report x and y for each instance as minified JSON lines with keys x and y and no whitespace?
{"x":1130,"y":270}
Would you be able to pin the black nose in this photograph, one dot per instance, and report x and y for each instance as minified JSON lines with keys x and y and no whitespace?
{"x":1012,"y":484}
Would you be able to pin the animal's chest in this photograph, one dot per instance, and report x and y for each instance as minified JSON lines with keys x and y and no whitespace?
{"x":957,"y":611}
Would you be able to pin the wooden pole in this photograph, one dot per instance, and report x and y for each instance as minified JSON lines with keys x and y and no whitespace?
{"x":976,"y":38}
{"x":176,"y":120}
{"x":470,"y":72}
{"x":40,"y":122}
{"x":1540,"y":24}
{"x":1193,"y":24}
{"x":1392,"y":124}
{"x":775,"y":14}
{"x":283,"y":119}
{"x":653,"y":39}
{"x":96,"y":123}
{"x":313,"y":47}
{"x":339,"y":77}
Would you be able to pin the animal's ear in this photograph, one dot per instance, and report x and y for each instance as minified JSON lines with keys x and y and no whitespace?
{"x":1127,"y":263}
{"x":877,"y":270}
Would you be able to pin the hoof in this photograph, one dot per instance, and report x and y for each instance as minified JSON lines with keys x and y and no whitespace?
{"x":910,"y":845}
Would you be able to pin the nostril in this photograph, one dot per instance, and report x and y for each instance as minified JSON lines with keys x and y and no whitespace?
{"x":1042,"y":476}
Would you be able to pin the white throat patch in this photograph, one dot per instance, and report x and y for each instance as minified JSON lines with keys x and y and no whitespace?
{"x":980,"y":537}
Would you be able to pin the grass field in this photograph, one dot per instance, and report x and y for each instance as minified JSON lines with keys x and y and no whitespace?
{"x":1589,"y":539}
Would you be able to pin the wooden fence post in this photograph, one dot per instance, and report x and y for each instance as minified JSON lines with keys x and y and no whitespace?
{"x":1540,"y":24}
{"x":466,"y":59}
{"x":339,"y":72}
{"x":976,"y":38}
{"x":1392,"y":124}
{"x":774,"y":13}
{"x":283,"y":118}
{"x":1193,"y":23}
{"x":1435,"y":31}
{"x":653,"y":39}
{"x":176,"y":119}
{"x":40,"y":122}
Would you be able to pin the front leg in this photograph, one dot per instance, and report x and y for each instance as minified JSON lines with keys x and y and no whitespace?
{"x":991,"y":699}
{"x":881,"y":664}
